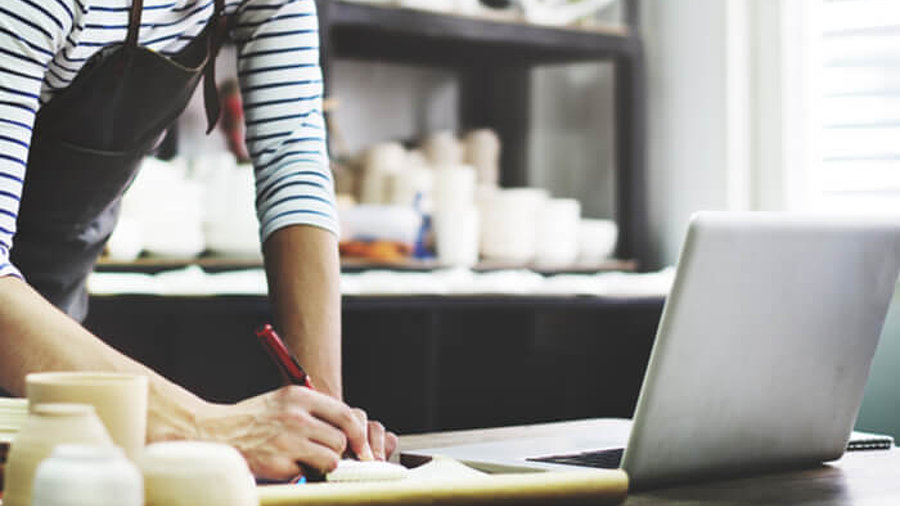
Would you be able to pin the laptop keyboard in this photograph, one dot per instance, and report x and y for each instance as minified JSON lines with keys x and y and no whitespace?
{"x":603,"y":459}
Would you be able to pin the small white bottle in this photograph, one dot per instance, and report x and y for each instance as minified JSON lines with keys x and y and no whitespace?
{"x":84,"y":475}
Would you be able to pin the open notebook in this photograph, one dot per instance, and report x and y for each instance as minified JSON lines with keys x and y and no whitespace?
{"x":448,"y":482}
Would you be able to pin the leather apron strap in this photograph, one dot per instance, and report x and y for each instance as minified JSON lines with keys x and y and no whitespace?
{"x":210,"y":88}
{"x":134,"y":22}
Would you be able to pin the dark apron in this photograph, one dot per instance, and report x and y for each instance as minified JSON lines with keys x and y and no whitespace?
{"x":87,"y":144}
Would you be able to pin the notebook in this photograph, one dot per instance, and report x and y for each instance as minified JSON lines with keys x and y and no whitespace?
{"x":760,"y":358}
{"x":447,"y":482}
{"x":860,"y":440}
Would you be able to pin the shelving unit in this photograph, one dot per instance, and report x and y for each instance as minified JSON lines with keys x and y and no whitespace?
{"x":425,"y":363}
{"x":493,"y":60}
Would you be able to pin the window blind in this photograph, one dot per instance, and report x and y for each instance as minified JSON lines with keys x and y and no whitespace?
{"x":859,"y":98}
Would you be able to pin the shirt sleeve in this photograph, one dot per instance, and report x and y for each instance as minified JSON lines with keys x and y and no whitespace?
{"x":281,"y":86}
{"x":31,"y":32}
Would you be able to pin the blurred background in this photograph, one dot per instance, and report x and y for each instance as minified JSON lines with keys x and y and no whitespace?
{"x":515,"y":179}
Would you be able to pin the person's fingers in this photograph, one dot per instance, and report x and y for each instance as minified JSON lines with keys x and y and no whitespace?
{"x":276,"y":468}
{"x":310,"y":441}
{"x":318,"y":457}
{"x":391,"y":442}
{"x":320,"y":432}
{"x":292,"y":458}
{"x":338,"y":414}
{"x":365,"y":453}
{"x":376,"y":439}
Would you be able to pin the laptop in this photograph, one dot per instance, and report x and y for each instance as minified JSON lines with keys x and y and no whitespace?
{"x":760,"y":358}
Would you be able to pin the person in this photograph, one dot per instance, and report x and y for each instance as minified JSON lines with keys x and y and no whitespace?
{"x":87,"y":88}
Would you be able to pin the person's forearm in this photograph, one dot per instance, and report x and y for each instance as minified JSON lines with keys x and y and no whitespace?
{"x":35,"y":336}
{"x":303,"y":269}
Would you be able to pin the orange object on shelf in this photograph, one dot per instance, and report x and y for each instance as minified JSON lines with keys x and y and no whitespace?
{"x":381,"y":251}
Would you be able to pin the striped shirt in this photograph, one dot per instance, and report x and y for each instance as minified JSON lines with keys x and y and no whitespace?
{"x":44,"y":44}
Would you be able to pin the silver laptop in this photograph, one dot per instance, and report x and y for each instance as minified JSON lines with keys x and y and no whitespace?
{"x":760,"y":359}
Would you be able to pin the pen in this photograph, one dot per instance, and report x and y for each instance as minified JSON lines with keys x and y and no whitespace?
{"x":279,"y":354}
{"x":294,"y":374}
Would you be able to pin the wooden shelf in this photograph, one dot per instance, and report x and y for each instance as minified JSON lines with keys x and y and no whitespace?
{"x":218,"y":264}
{"x":423,"y":37}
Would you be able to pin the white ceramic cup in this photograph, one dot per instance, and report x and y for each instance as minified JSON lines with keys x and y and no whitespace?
{"x":557,"y":233}
{"x":411,"y":187}
{"x":120,"y":401}
{"x":454,"y":187}
{"x":86,"y":475}
{"x":457,"y":236}
{"x":191,"y":473}
{"x":596,"y":240}
{"x":509,"y":224}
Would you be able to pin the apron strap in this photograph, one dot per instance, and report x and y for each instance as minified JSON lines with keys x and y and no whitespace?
{"x":134,"y":22}
{"x":210,"y":90}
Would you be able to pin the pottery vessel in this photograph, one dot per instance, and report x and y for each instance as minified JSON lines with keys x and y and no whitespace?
{"x":48,"y":426}
{"x":84,"y":475}
{"x":120,"y":401}
{"x":191,"y":473}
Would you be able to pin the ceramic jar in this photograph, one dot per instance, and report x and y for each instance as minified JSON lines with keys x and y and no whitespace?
{"x":443,"y":148}
{"x":483,"y":152}
{"x":83,"y":475}
{"x":191,"y":473}
{"x":48,"y":425}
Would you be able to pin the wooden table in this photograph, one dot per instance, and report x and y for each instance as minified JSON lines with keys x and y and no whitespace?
{"x":860,"y":478}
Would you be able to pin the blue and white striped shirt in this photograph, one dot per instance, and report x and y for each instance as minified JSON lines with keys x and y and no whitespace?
{"x":44,"y":43}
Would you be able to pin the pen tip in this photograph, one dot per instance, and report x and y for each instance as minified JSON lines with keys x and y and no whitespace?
{"x":262,"y":331}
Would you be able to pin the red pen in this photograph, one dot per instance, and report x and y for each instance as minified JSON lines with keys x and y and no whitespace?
{"x":283,"y":359}
{"x":294,"y":374}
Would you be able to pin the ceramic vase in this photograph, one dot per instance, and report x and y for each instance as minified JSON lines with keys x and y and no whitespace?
{"x":48,"y":425}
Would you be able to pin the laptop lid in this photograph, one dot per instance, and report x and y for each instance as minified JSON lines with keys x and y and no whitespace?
{"x":765,"y":344}
{"x":760,"y":358}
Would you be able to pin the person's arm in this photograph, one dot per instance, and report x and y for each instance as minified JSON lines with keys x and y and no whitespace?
{"x":38,"y":337}
{"x":282,"y":89}
{"x":273,"y":431}
{"x":281,"y":86}
{"x":304,"y":286}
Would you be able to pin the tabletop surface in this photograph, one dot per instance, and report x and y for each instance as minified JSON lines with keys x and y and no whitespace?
{"x":859,"y":478}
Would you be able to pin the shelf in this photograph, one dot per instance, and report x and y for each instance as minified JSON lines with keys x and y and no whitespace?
{"x":422,"y":37}
{"x":154,"y":265}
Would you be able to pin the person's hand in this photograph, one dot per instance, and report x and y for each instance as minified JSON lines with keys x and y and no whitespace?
{"x":382,"y":442}
{"x":279,"y":430}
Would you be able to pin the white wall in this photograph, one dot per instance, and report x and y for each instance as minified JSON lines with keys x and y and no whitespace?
{"x":697,"y":106}
{"x":386,"y":102}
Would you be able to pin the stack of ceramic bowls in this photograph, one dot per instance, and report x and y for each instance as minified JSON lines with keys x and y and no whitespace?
{"x":13,"y":414}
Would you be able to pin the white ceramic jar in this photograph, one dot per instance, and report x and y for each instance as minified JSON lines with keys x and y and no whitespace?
{"x":48,"y":426}
{"x":84,"y":475}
